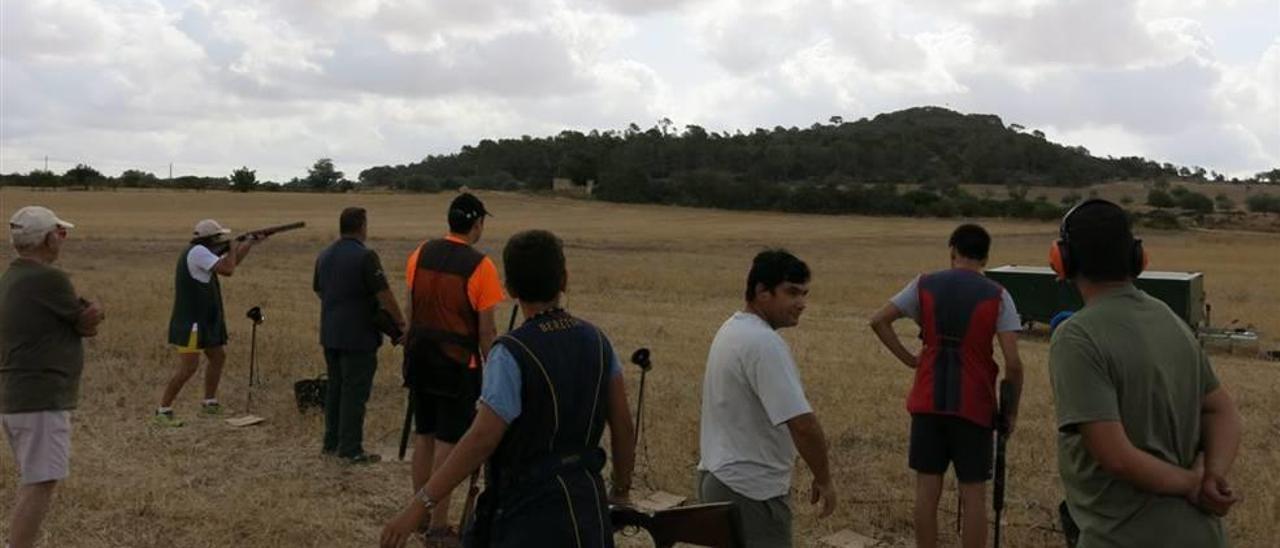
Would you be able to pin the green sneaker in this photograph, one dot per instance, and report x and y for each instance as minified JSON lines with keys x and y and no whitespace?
{"x":211,"y":409}
{"x":166,"y":420}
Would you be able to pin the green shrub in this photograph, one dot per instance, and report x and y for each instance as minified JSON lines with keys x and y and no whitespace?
{"x":1160,"y":198}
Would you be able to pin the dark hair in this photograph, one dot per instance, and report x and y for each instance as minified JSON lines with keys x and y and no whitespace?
{"x":533,"y":262}
{"x":464,"y":212}
{"x":772,"y":267}
{"x":971,"y":242}
{"x":352,"y":220}
{"x":1100,"y":236}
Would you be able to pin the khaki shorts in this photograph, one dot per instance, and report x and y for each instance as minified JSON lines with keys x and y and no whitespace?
{"x":765,"y":523}
{"x":41,"y":443}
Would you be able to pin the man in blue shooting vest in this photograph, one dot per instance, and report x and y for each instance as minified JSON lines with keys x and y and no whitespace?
{"x":953,"y":400}
{"x":550,"y":388}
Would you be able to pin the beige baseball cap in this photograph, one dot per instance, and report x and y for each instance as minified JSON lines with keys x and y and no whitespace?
{"x":33,"y":222}
{"x":208,"y":228}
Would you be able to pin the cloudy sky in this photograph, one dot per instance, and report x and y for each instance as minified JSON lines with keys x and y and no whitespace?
{"x":211,"y":85}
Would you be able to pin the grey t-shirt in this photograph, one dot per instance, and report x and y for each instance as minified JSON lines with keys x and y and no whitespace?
{"x":908,"y":302}
{"x":41,"y":356}
{"x":751,"y":389}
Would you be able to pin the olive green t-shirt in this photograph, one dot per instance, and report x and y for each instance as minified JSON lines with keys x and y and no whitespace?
{"x":41,"y":355}
{"x":1127,"y":357}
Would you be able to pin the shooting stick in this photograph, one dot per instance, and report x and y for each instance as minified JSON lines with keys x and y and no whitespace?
{"x":255,"y":315}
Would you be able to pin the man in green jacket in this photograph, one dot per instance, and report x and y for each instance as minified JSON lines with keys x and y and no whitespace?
{"x":198,"y":323}
{"x":42,"y":322}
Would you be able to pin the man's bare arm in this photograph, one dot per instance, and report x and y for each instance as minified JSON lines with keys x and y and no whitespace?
{"x":475,"y":447}
{"x":882,"y":324}
{"x":226,"y":266}
{"x":622,"y":438}
{"x":811,"y":442}
{"x":1221,"y":426}
{"x":488,"y":332}
{"x":1107,"y":442}
{"x":1221,"y":430}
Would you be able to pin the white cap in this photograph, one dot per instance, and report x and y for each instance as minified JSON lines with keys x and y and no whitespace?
{"x":31,"y":224}
{"x":209,"y":227}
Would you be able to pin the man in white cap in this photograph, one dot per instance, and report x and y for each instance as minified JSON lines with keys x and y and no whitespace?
{"x":42,"y":322}
{"x":198,"y":323}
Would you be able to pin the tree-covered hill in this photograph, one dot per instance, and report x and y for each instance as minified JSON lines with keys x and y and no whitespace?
{"x":928,"y":145}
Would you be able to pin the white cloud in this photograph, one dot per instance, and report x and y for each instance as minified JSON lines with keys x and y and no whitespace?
{"x":275,"y":84}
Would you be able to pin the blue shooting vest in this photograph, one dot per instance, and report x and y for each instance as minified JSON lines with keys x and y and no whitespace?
{"x":544,"y":483}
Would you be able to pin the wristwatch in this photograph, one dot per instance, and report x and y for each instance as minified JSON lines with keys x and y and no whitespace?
{"x":426,"y":501}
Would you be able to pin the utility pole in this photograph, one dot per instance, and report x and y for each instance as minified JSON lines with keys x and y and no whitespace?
{"x":46,"y":162}
{"x":170,"y":171}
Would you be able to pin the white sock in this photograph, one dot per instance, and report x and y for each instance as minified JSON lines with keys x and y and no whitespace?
{"x":159,"y":411}
{"x":211,"y":401}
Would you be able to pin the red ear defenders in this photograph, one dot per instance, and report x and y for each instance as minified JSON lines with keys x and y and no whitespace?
{"x":1064,"y":264}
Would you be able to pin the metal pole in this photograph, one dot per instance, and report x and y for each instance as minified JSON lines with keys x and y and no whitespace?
{"x":640,"y":407}
{"x":253,"y":348}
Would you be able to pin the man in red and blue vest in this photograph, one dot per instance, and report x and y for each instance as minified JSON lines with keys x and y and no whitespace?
{"x":953,"y":400}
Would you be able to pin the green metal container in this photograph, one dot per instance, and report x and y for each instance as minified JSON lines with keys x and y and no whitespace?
{"x":1040,"y":296}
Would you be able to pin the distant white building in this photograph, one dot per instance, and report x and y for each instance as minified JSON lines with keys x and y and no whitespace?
{"x":561,"y":185}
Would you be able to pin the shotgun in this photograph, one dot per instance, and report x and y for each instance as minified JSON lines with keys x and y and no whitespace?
{"x":269,"y":231}
{"x":1008,"y":403}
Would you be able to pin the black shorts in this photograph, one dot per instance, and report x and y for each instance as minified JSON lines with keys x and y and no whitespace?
{"x":446,"y":417}
{"x":939,"y":440}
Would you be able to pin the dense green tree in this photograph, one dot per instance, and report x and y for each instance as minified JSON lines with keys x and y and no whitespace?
{"x":323,"y":176}
{"x":243,"y":179}
{"x":83,"y":176}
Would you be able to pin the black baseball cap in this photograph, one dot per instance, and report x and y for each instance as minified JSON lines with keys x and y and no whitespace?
{"x":467,"y":207}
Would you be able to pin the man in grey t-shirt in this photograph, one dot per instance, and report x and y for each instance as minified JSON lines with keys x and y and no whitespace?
{"x":41,"y":324}
{"x":754,"y":413}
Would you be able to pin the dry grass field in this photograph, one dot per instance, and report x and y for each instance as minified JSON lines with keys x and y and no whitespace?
{"x":649,"y":276}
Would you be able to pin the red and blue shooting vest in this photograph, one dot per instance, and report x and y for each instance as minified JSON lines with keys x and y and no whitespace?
{"x":956,"y":374}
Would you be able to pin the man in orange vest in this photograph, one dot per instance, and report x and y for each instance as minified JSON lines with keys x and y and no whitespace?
{"x":453,"y":289}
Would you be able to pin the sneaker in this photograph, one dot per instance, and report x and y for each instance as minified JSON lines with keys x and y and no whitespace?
{"x":364,"y":458}
{"x":166,"y":420}
{"x":211,"y":409}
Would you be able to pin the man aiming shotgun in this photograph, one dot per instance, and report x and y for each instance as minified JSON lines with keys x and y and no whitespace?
{"x":198,"y":322}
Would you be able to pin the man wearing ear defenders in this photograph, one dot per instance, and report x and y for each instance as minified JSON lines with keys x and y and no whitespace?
{"x":1146,"y":436}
